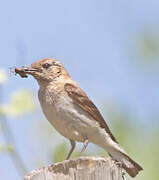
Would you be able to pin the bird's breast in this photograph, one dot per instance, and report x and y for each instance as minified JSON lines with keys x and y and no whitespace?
{"x":61,"y":113}
{"x":66,"y":116}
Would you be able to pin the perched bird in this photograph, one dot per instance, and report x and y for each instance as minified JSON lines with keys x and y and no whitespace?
{"x":68,"y":108}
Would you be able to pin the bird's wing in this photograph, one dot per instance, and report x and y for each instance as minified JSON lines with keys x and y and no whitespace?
{"x":80,"y":98}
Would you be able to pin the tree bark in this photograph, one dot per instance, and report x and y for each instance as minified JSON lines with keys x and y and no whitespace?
{"x":82,"y":168}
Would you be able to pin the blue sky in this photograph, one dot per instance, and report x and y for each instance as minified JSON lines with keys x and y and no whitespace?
{"x":95,"y":40}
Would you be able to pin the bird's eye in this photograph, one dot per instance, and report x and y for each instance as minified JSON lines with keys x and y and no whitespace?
{"x":46,"y":65}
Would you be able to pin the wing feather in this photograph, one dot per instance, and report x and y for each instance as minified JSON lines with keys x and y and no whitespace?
{"x":80,"y":98}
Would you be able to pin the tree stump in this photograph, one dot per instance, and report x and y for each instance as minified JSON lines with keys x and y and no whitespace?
{"x":82,"y":168}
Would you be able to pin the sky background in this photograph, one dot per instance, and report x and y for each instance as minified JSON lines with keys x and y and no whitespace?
{"x":101,"y":43}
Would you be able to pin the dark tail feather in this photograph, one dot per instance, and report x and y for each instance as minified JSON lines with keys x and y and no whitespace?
{"x":131,"y":167}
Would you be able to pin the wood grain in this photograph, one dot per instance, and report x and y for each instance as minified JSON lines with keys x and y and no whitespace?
{"x":82,"y":168}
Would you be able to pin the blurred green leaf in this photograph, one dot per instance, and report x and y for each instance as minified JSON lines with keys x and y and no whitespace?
{"x":6,"y":148}
{"x":60,"y":152}
{"x":21,"y":102}
{"x":120,"y":122}
{"x":147,"y":47}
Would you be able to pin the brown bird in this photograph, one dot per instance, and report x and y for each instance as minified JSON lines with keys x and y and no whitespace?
{"x":68,"y":108}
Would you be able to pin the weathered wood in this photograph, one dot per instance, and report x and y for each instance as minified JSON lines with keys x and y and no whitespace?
{"x":82,"y":168}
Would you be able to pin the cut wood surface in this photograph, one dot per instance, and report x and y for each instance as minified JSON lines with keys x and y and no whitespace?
{"x":82,"y":168}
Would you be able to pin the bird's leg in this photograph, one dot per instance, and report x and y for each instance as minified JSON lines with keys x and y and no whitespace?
{"x":85,"y":144}
{"x":73,"y":144}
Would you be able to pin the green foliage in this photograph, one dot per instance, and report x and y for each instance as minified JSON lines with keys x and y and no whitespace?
{"x":21,"y":102}
{"x":120,"y":122}
{"x":147,"y":48}
{"x":60,"y":152}
{"x":6,"y":148}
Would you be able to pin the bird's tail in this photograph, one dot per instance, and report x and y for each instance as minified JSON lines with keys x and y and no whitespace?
{"x":131,"y":167}
{"x":116,"y":152}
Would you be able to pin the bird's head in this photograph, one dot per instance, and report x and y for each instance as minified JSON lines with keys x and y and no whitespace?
{"x":44,"y":70}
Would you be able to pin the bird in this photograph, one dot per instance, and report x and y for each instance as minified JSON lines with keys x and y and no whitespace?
{"x":68,"y":108}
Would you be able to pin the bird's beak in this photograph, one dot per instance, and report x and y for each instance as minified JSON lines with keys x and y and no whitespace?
{"x":29,"y":70}
{"x":24,"y":71}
